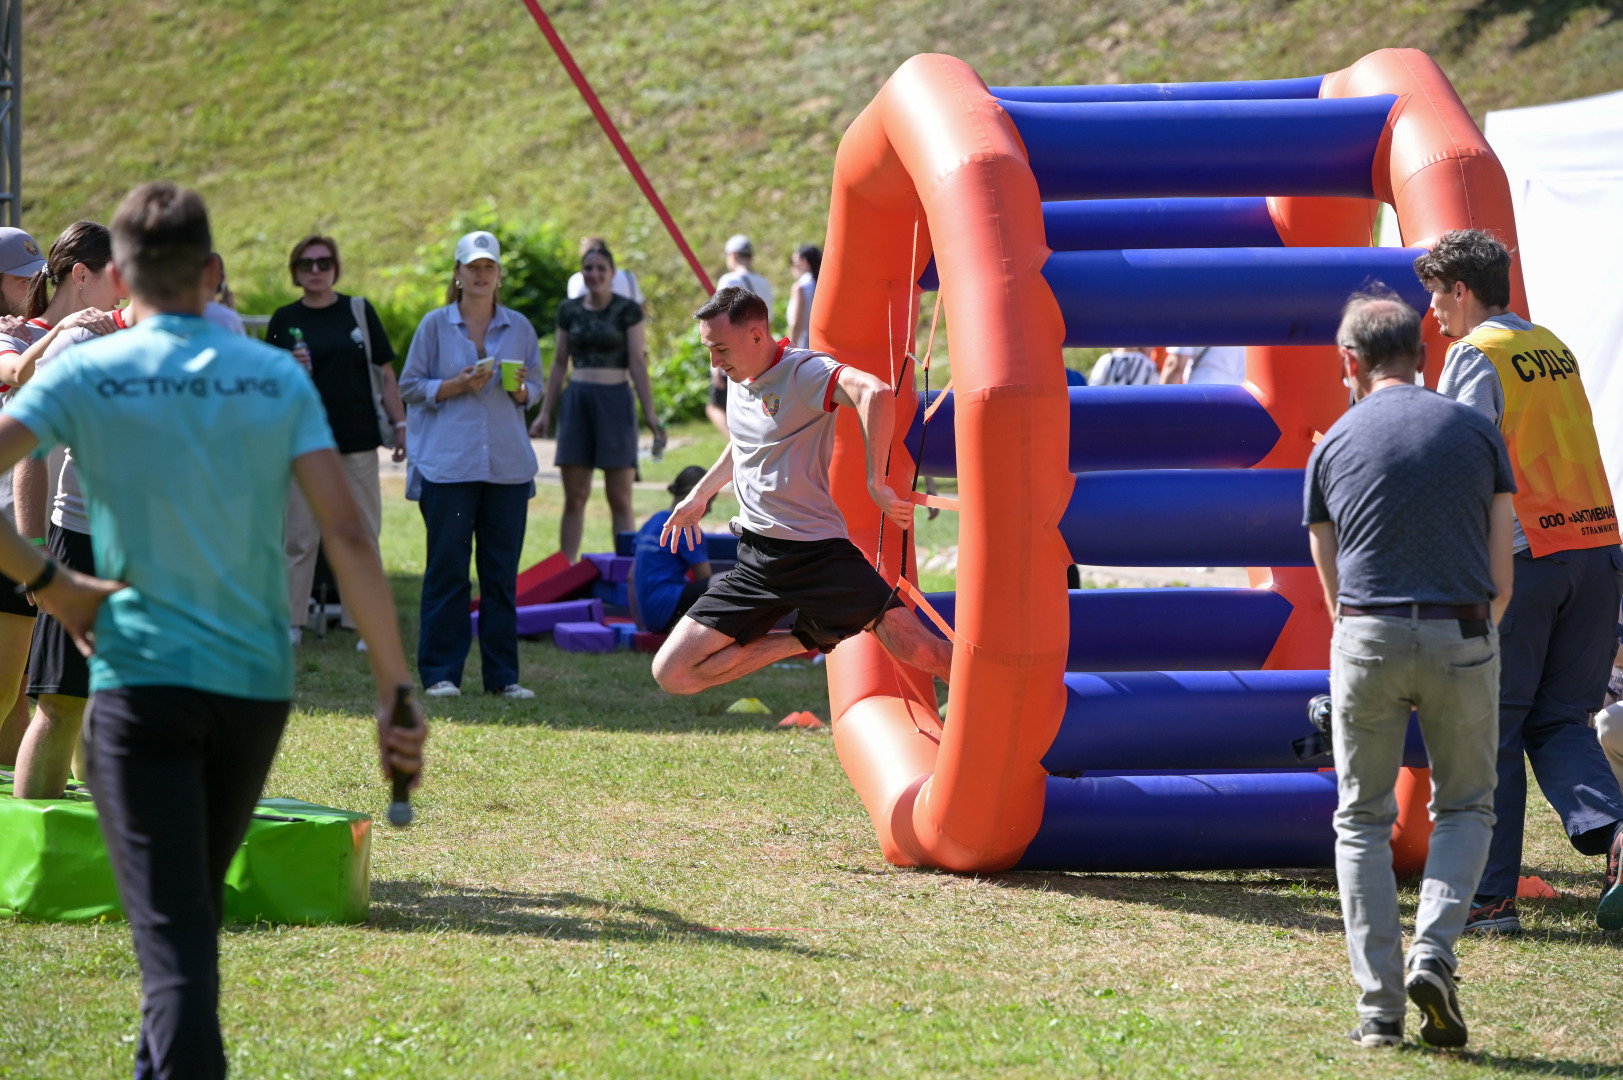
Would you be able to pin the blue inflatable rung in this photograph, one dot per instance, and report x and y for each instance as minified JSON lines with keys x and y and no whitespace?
{"x":1176,"y":517}
{"x":1244,"y":821}
{"x":1204,"y":426}
{"x":1220,"y":296}
{"x":1113,"y":224}
{"x":1145,"y":149}
{"x":1251,"y":90}
{"x":1191,"y":721}
{"x":1164,"y":629}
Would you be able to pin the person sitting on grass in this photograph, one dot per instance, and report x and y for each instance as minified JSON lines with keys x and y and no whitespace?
{"x":793,"y":551}
{"x":660,"y":590}
{"x":191,"y":673}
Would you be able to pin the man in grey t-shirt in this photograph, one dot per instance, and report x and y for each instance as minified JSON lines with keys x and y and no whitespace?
{"x":793,"y":552}
{"x":1408,"y":508}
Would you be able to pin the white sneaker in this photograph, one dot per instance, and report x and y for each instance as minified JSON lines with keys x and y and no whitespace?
{"x":295,"y":636}
{"x":360,"y":645}
{"x":443,"y":688}
{"x":517,"y":693}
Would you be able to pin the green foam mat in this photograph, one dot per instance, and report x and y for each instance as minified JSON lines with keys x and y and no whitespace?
{"x":300,"y":863}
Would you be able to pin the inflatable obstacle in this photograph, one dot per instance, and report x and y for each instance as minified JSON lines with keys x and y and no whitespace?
{"x":1121,"y":729}
{"x":300,"y":863}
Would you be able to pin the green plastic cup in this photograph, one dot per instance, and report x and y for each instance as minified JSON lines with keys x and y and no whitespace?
{"x":512,"y":373}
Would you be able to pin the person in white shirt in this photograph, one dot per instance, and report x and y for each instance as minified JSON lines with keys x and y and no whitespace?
{"x":740,"y":252}
{"x":1204,"y":364}
{"x":625,"y":283}
{"x":807,"y":263}
{"x":1124,"y":366}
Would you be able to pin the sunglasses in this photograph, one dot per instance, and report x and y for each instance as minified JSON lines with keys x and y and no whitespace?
{"x":305,"y":266}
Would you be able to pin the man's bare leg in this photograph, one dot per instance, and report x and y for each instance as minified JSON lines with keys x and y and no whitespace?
{"x":696,"y":657}
{"x":16,"y":634}
{"x":48,"y":748}
{"x":900,"y":632}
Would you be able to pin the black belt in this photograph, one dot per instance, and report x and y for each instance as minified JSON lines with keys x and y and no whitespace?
{"x":1426,"y":611}
{"x":1473,"y":618}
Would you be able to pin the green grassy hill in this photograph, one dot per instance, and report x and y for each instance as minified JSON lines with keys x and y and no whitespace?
{"x":379,"y":121}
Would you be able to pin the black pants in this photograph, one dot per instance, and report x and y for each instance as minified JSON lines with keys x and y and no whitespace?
{"x":176,"y":773}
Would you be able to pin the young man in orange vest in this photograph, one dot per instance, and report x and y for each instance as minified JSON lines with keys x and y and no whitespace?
{"x":1557,"y":638}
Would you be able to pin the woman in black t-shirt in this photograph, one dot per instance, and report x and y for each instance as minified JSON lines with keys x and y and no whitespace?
{"x":600,"y":337}
{"x":333,"y":347}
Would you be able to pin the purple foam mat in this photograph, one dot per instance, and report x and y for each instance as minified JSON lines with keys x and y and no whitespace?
{"x":613,"y":568}
{"x":542,"y":618}
{"x":583,"y":637}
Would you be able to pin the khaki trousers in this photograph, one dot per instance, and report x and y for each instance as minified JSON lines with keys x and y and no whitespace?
{"x":302,"y":538}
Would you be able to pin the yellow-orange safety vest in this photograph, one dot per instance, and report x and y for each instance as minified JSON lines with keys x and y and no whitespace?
{"x":1562,"y":499}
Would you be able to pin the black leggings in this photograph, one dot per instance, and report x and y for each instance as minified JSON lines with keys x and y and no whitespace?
{"x":176,"y":773}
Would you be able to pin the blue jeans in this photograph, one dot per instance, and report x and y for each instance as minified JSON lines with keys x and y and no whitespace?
{"x":1558,"y":639}
{"x":454,"y":515}
{"x":1381,"y":667}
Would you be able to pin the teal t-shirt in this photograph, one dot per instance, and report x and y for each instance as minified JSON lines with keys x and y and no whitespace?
{"x":184,"y":435}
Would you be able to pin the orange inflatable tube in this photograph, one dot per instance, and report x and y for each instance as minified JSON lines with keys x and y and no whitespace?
{"x":934,"y":166}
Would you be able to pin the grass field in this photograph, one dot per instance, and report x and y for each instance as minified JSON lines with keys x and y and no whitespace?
{"x":611,"y":882}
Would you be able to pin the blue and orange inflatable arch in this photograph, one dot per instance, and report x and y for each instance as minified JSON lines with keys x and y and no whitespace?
{"x":1122,"y":729}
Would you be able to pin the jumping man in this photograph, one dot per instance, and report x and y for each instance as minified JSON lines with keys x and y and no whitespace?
{"x":793,"y":551}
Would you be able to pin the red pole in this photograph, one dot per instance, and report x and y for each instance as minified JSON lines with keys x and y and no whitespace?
{"x":609,"y":129}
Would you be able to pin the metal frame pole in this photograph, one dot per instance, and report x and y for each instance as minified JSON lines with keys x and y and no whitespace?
{"x":11,"y":115}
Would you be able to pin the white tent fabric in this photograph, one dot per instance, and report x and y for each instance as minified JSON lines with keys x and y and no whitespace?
{"x":1565,"y":164}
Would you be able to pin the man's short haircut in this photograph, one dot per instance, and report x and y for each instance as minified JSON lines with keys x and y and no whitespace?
{"x":739,"y":305}
{"x":1382,"y":330}
{"x":161,"y":241}
{"x":310,"y":241}
{"x":1470,"y":256}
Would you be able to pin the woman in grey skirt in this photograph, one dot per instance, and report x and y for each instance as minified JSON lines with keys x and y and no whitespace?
{"x":601,"y":345}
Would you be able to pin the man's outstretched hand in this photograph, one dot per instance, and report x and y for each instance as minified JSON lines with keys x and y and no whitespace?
{"x":684,"y":521}
{"x":892,"y":505}
{"x":74,"y":599}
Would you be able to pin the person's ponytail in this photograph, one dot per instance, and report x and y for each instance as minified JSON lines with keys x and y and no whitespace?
{"x":82,"y":242}
{"x":39,"y":295}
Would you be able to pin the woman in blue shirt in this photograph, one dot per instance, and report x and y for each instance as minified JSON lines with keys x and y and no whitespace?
{"x":471,"y":468}
{"x":660,"y":590}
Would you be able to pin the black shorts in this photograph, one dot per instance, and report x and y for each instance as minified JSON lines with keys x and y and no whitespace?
{"x":718,"y":393}
{"x":597,"y":426}
{"x":55,"y":665}
{"x":832,"y":589}
{"x":13,"y":602}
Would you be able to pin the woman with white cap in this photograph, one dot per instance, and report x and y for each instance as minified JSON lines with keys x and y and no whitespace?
{"x":473,"y":367}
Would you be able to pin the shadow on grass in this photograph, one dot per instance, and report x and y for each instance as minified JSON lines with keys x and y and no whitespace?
{"x":1303,"y":900}
{"x":413,"y":907}
{"x":1299,"y":900}
{"x":1540,"y":1066}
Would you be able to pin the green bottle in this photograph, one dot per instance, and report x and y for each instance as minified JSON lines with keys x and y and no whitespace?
{"x":298,"y":343}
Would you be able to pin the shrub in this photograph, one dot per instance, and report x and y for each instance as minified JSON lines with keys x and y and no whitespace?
{"x":681,"y":379}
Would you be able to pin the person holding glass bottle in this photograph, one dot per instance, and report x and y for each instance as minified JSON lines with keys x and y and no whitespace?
{"x":336,"y":338}
{"x":472,"y":369}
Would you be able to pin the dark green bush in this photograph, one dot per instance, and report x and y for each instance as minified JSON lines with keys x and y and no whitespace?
{"x":681,"y":379}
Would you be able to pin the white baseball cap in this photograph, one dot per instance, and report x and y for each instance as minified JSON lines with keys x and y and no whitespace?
{"x":478,"y":245}
{"x":19,"y":254}
{"x":739,"y":244}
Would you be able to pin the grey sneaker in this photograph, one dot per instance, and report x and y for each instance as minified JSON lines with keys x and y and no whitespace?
{"x":515,"y":692}
{"x":1374,"y":1034}
{"x":1431,"y":987}
{"x":1493,"y":915}
{"x":443,"y":688}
